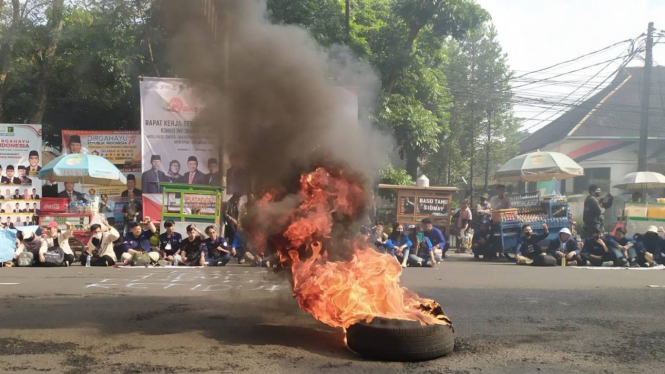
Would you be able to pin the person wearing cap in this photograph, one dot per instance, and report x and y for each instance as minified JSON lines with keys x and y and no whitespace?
{"x":500,"y":200}
{"x":100,"y":246}
{"x":33,"y":159}
{"x":214,"y":178}
{"x":435,"y":237}
{"x":151,"y":178}
{"x":194,"y":176}
{"x":484,"y":209}
{"x":217,"y":249}
{"x":21,"y":176}
{"x":10,"y":178}
{"x":59,"y":239}
{"x":191,"y":252}
{"x":565,"y":246}
{"x":34,"y":244}
{"x":70,"y":194}
{"x":137,"y":241}
{"x":74,"y":144}
{"x":169,"y":241}
{"x":131,"y":186}
{"x":597,"y":252}
{"x":649,"y":248}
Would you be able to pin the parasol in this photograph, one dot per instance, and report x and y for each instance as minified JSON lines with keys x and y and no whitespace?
{"x":642,"y":180}
{"x":82,"y":168}
{"x":538,"y":167}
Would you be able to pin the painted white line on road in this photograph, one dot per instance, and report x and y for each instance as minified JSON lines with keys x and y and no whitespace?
{"x":7,"y":284}
{"x":655,"y":286}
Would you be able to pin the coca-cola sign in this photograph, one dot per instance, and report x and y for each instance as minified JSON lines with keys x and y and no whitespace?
{"x":57,"y":205}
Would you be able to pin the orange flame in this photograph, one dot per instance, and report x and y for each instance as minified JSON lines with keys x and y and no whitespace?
{"x":365,"y":284}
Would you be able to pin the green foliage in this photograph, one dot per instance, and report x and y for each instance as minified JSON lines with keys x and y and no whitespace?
{"x":391,"y":175}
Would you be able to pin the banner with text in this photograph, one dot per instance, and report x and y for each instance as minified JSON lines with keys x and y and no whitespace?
{"x":172,"y":150}
{"x":122,"y":148}
{"x":20,"y":161}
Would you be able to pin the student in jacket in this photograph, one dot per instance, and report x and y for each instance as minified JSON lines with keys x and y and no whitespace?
{"x":565,"y":246}
{"x":398,"y":244}
{"x":528,"y":248}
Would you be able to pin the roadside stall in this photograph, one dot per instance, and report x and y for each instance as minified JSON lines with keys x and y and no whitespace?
{"x":417,"y":202}
{"x":76,"y":168}
{"x":638,"y":216}
{"x":533,"y":208}
{"x":190,"y":203}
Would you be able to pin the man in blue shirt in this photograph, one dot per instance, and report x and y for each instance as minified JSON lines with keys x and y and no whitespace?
{"x":217,"y":248}
{"x":435,"y":237}
{"x":169,"y":241}
{"x":138,"y":241}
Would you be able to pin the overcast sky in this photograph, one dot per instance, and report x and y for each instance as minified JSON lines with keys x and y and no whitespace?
{"x":540,"y":33}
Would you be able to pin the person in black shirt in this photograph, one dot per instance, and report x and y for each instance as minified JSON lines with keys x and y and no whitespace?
{"x":191,"y":249}
{"x":596,"y":251}
{"x":528,"y":249}
{"x":481,"y":244}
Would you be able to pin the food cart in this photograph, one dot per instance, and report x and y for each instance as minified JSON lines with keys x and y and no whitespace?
{"x":638,"y":216}
{"x":60,"y":210}
{"x":532,"y":209}
{"x":189,"y":203}
{"x":417,"y":202}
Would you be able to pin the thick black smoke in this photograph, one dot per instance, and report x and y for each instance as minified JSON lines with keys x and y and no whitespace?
{"x":270,"y":92}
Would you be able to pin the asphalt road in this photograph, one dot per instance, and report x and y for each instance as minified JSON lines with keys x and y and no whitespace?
{"x":235,"y":319}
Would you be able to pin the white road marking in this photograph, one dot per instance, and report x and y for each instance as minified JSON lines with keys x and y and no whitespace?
{"x":7,"y":284}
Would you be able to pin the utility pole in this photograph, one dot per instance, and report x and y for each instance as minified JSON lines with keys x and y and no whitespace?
{"x":348,"y":19}
{"x":646,"y":100}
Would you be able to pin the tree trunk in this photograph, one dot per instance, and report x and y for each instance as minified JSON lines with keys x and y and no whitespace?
{"x":487,"y":156}
{"x":412,"y":164}
{"x":6,"y":48}
{"x":348,"y":19}
{"x":54,"y":31}
{"x":472,"y":148}
{"x":406,"y":52}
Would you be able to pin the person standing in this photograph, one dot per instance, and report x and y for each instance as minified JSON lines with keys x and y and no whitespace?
{"x":107,"y":208}
{"x":131,"y":211}
{"x":463,"y":222}
{"x":484,"y":210}
{"x":500,"y":200}
{"x":151,"y":178}
{"x":594,"y":208}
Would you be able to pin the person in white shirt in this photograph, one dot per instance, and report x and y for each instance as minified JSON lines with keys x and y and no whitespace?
{"x":101,"y":245}
{"x":500,"y":201}
{"x":55,"y":238}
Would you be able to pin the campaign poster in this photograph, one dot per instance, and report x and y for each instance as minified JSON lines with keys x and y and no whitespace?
{"x":173,"y":151}
{"x":121,"y":148}
{"x":20,"y":162}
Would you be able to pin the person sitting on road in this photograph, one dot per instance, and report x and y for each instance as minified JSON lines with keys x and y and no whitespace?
{"x":398,"y":244}
{"x":619,"y":242}
{"x":481,"y":245}
{"x":649,"y":247}
{"x":596,"y":251}
{"x":56,"y":239}
{"x":191,"y":251}
{"x":138,"y":241}
{"x":421,"y":251}
{"x":218,"y":250}
{"x":100,"y":246}
{"x":528,"y":249}
{"x":33,"y":244}
{"x":379,"y":237}
{"x":435,"y":237}
{"x":169,"y":241}
{"x":565,"y":247}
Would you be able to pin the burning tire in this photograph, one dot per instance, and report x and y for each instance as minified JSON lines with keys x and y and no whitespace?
{"x":399,"y":340}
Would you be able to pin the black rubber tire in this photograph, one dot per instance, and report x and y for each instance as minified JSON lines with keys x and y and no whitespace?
{"x":77,"y":247}
{"x":396,"y":340}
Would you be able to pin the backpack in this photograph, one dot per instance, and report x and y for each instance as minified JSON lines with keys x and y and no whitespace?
{"x":25,"y":259}
{"x":54,"y":257}
{"x":141,"y":259}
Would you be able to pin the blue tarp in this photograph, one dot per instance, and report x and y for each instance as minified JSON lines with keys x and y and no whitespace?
{"x":8,"y":241}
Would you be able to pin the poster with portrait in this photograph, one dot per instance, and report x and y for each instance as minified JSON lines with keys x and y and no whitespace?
{"x":173,"y":151}
{"x":121,"y":148}
{"x":20,"y":162}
